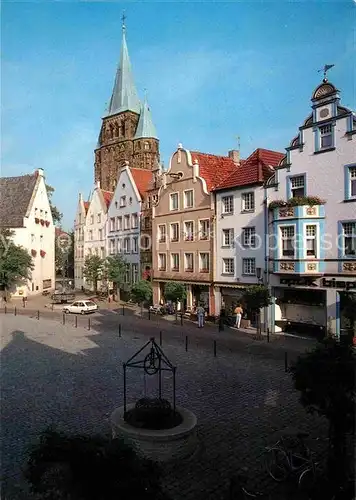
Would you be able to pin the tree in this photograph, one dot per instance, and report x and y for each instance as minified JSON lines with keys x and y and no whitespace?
{"x":175,"y":292}
{"x":56,"y":214}
{"x":142,"y":292}
{"x":65,"y":257}
{"x":15,"y":262}
{"x":326,"y":379}
{"x":115,"y":269}
{"x":92,"y":270}
{"x":79,"y":467}
{"x":255,"y":298}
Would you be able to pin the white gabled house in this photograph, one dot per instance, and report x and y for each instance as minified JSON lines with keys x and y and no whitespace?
{"x":312,"y":219}
{"x":79,"y":252}
{"x":25,"y":210}
{"x":123,"y":221}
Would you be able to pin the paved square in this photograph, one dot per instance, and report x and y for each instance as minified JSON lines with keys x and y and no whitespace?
{"x":72,"y":378}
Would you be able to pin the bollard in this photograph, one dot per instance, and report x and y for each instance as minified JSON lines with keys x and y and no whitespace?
{"x":267,"y":334}
{"x":88,"y":323}
{"x":286,"y":361}
{"x":119,"y":329}
{"x":149,"y":313}
{"x":76,"y":321}
{"x":64,"y":319}
{"x":214,"y":348}
{"x":181,"y":319}
{"x":38,"y":314}
{"x":5,"y":309}
{"x":160,"y":337}
{"x":123,"y":310}
{"x":15,"y":311}
{"x":52,"y":306}
{"x":186,"y":342}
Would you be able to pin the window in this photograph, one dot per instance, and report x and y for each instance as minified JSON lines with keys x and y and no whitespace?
{"x":102,"y":252}
{"x":249,"y":237}
{"x":175,"y":232}
{"x":134,"y":221}
{"x":249,"y":266}
{"x":204,"y":263}
{"x":98,"y":218}
{"x":90,"y":235}
{"x":119,"y":245}
{"x":145,"y":243}
{"x":189,"y":231}
{"x":127,"y":273}
{"x":112,"y":246}
{"x":173,"y":201}
{"x":112,"y":223}
{"x":349,"y":238}
{"x":119,"y":223}
{"x":227,"y":237}
{"x":326,"y":137}
{"x":248,"y":202}
{"x":33,"y":239}
{"x":134,"y":245}
{"x":134,"y":273}
{"x":350,"y":182}
{"x":126,"y":245}
{"x":155,"y":199}
{"x":287,"y":234}
{"x":227,"y":204}
{"x":162,"y":233}
{"x":188,"y":198}
{"x":100,"y":234}
{"x":127,"y":222}
{"x":310,"y":234}
{"x":297,"y":186}
{"x":92,"y":219}
{"x":162,"y":262}
{"x":228,"y":266}
{"x":123,"y":201}
{"x":188,"y":262}
{"x":204,"y":229}
{"x":175,"y":261}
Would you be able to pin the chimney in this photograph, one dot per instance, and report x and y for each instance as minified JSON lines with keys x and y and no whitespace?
{"x":234,"y":154}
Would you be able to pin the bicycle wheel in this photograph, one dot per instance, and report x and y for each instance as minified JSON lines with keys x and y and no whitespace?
{"x":277,"y":464}
{"x":307,"y":480}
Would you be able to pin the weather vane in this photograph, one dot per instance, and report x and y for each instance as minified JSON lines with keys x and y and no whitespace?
{"x":326,"y":69}
{"x":123,"y":21}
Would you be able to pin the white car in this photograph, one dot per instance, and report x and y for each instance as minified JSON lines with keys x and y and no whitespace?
{"x":81,"y":307}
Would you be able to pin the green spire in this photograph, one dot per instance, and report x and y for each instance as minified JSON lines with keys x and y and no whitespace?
{"x":124,"y":95}
{"x":145,"y":127}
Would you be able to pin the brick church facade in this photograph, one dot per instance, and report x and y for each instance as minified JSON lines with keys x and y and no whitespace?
{"x":127,"y":132}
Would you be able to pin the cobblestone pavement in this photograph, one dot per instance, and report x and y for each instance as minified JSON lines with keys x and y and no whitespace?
{"x":72,"y":377}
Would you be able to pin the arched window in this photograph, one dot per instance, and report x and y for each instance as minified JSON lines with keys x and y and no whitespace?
{"x":146,"y":145}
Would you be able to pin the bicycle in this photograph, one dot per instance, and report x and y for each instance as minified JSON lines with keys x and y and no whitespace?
{"x":238,"y":491}
{"x":290,"y":456}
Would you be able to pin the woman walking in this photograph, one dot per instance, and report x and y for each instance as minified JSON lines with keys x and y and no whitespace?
{"x":239,"y":312}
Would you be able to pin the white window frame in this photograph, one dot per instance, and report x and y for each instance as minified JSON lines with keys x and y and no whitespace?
{"x":127,"y":274}
{"x":281,"y":239}
{"x":184,"y":198}
{"x":162,"y":235}
{"x":200,"y":229}
{"x":293,"y":189}
{"x":248,"y":239}
{"x":245,"y":270}
{"x":122,"y":201}
{"x":175,"y":269}
{"x":98,"y":218}
{"x":112,"y":246}
{"x":186,"y":267}
{"x":134,"y":217}
{"x":175,"y":194}
{"x":244,"y":204}
{"x":311,"y":237}
{"x":160,"y":267}
{"x":351,"y":180}
{"x":112,"y":224}
{"x":351,"y":235}
{"x":170,"y":232}
{"x":230,"y":210}
{"x":187,"y":236}
{"x":119,"y":245}
{"x":127,"y":222}
{"x":326,"y":131}
{"x":200,"y":262}
{"x":134,"y":247}
{"x":228,"y":262}
{"x":127,"y":247}
{"x":134,"y":271}
{"x":119,"y":223}
{"x":229,"y":241}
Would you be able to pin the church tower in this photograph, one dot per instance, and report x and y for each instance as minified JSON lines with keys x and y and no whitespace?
{"x":127,"y":132}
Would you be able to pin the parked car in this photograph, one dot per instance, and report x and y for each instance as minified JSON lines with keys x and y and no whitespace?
{"x":157,"y":309}
{"x":81,"y":307}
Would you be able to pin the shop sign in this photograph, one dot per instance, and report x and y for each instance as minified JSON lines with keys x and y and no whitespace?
{"x":334,"y":283}
{"x":298,"y":282}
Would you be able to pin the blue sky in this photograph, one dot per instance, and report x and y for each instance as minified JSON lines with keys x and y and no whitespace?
{"x":213,"y":71}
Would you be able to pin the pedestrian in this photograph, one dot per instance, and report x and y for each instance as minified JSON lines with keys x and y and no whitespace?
{"x":239,"y":312}
{"x":222,"y":319}
{"x":201,"y":316}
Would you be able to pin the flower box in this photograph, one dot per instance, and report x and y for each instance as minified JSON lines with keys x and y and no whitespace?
{"x":298,"y":201}
{"x":47,"y":223}
{"x":33,"y":253}
{"x":42,"y":253}
{"x":42,"y":222}
{"x":37,"y":220}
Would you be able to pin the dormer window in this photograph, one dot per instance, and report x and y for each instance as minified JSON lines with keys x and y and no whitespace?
{"x":326,"y":137}
{"x":123,"y":201}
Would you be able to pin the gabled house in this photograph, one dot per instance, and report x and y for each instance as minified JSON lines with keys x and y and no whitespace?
{"x":79,"y":252}
{"x":240,"y":227}
{"x":183,"y":222}
{"x":123,"y":222}
{"x":25,"y":210}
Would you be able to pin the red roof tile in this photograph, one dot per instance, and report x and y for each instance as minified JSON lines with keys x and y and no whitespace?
{"x":107,"y":195}
{"x":214,"y":169}
{"x":256,"y":168}
{"x":142,"y":179}
{"x":59,"y":231}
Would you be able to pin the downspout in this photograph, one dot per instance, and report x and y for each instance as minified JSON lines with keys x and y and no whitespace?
{"x":266,"y":251}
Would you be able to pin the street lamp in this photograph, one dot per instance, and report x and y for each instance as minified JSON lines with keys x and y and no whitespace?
{"x":258,"y":274}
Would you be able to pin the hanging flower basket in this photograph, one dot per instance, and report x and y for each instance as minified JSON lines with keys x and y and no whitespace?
{"x":47,"y":223}
{"x":33,"y":253}
{"x":42,"y":253}
{"x":37,"y":220}
{"x":42,"y":222}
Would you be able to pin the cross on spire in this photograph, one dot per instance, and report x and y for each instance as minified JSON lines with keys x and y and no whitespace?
{"x":123,"y":19}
